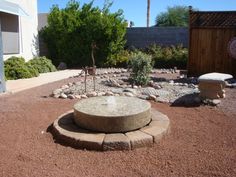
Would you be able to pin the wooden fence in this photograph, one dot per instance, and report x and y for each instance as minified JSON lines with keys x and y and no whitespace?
{"x":209,"y":37}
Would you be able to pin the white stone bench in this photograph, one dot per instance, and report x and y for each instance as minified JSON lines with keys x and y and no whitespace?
{"x":212,"y":85}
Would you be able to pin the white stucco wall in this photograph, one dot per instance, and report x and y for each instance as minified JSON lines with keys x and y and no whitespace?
{"x":28,"y":30}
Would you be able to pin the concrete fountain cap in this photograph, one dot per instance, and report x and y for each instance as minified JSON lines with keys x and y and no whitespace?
{"x":112,"y":114}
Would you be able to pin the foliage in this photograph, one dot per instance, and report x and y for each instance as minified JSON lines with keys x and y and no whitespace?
{"x":169,"y":57}
{"x":72,"y":30}
{"x":140,"y":65}
{"x":119,"y":59}
{"x":175,"y":16}
{"x":17,"y":68}
{"x":42,"y":64}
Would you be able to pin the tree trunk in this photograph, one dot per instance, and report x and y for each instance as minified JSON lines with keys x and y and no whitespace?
{"x":148,"y":12}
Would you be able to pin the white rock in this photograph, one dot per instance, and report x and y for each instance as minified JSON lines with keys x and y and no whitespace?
{"x":171,"y":82}
{"x":152,"y":97}
{"x":84,"y":96}
{"x":157,"y":86}
{"x":215,"y":102}
{"x":91,"y":94}
{"x":78,"y":96}
{"x":129,"y":94}
{"x":135,"y":87}
{"x":123,"y":70}
{"x":101,"y":94}
{"x":63,"y":95}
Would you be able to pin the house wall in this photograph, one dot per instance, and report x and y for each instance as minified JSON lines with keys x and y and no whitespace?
{"x":28,"y":30}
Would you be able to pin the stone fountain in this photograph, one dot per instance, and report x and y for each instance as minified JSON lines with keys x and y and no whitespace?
{"x":111,"y":123}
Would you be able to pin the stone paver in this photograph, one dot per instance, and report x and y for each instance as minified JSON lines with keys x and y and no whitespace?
{"x":116,"y":141}
{"x":66,"y":131}
{"x":139,"y":139}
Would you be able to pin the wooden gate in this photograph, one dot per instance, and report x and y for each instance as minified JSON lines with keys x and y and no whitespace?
{"x":210,"y":34}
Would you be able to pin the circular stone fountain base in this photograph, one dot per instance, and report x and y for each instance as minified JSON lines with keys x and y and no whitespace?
{"x":67,"y":132}
{"x":111,"y":114}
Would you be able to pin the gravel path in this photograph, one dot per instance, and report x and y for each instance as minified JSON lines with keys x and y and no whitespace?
{"x":202,"y":141}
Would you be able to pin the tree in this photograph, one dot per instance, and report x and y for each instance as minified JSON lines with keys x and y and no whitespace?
{"x":175,"y":16}
{"x":148,"y":12}
{"x":71,"y":32}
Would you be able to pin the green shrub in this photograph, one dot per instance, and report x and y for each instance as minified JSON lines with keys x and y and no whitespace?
{"x":42,"y":64}
{"x":169,"y":57}
{"x":120,"y":59}
{"x":72,"y":30}
{"x":140,"y":65}
{"x":16,"y":68}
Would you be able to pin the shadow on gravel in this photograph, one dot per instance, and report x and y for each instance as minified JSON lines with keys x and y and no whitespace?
{"x":189,"y":100}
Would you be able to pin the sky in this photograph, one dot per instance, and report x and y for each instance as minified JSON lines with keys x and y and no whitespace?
{"x":135,"y":10}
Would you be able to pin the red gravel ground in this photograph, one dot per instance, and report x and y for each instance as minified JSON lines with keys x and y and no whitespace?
{"x":202,"y":141}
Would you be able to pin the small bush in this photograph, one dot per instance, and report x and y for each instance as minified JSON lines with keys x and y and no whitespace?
{"x":169,"y":57}
{"x":140,"y":65}
{"x":42,"y":64}
{"x":16,"y":68}
{"x":120,"y":59}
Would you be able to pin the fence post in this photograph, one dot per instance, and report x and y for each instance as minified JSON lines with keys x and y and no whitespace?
{"x":189,"y":40}
{"x":2,"y":77}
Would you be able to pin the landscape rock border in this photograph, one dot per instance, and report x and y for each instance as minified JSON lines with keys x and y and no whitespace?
{"x":66,"y":132}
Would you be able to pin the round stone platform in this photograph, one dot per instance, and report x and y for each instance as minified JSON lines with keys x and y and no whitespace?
{"x":112,"y":114}
{"x":67,"y":132}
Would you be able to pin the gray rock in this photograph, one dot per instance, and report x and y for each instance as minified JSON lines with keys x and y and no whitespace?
{"x":162,"y":100}
{"x":109,"y":93}
{"x":62,"y":66}
{"x":156,"y":86}
{"x":70,"y":96}
{"x":149,"y":91}
{"x":130,"y":90}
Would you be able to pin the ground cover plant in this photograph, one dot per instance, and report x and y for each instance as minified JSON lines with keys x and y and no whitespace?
{"x":42,"y":64}
{"x":17,"y":68}
{"x":72,"y":31}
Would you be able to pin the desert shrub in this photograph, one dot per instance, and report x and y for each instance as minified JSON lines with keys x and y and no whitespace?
{"x":42,"y":64}
{"x":119,"y":59}
{"x":72,"y":30}
{"x":17,"y":68}
{"x":140,"y":65}
{"x":169,"y":57}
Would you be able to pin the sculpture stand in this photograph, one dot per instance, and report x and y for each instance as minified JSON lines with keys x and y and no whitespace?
{"x":90,"y":71}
